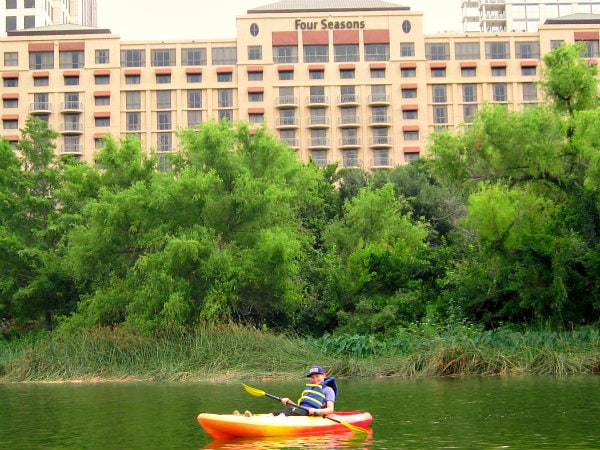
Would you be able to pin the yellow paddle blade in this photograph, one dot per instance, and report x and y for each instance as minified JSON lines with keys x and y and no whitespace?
{"x":254,"y":391}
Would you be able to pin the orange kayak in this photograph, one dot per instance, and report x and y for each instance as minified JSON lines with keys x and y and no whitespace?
{"x":221,"y":426}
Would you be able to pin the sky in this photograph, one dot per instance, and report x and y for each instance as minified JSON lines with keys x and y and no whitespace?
{"x":201,"y":19}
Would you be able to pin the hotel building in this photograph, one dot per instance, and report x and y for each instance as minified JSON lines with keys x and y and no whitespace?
{"x":352,"y":82}
{"x":22,"y":14}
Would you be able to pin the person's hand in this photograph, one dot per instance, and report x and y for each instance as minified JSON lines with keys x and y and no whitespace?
{"x":311,"y":411}
{"x":284,"y":400}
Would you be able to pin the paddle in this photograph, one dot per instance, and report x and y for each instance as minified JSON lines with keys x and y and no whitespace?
{"x":259,"y":393}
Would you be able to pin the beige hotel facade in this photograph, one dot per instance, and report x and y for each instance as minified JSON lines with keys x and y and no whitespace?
{"x":352,"y":82}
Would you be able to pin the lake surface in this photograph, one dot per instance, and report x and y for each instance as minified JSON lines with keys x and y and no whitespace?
{"x":454,"y":413}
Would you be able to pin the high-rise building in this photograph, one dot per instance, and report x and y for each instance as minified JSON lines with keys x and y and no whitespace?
{"x":519,"y":15}
{"x":25,"y":14}
{"x":356,"y":83}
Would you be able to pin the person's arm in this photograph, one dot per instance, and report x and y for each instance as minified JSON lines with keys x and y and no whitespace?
{"x":323,"y":411}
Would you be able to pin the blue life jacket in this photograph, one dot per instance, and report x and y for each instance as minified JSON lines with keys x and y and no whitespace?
{"x":313,"y":397}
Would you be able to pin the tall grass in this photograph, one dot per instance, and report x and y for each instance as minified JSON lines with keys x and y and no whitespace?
{"x":233,"y":352}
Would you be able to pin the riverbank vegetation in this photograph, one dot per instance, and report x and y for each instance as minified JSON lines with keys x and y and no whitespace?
{"x":451,"y":264}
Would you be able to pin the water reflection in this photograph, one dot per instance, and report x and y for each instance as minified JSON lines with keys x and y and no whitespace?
{"x":326,"y":442}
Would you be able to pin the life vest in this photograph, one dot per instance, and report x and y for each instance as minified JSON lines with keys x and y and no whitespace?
{"x":312,"y":396}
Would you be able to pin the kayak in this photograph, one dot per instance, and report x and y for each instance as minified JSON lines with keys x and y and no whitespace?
{"x":222,"y":426}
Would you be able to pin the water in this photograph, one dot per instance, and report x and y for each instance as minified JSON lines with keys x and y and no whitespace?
{"x":472,"y":413}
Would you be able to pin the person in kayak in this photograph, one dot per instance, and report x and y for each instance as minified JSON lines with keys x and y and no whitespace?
{"x":318,"y":396}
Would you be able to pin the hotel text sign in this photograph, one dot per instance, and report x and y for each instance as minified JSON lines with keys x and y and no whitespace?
{"x":326,"y":24}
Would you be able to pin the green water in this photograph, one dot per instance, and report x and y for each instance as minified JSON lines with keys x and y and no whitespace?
{"x":473,"y":413}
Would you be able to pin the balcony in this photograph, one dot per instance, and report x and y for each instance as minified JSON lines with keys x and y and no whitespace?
{"x":349,"y":120}
{"x":382,"y":162}
{"x":287,"y":122}
{"x":350,"y":142}
{"x":71,"y":128}
{"x":286,"y":100}
{"x":318,"y":121}
{"x":317,"y":100}
{"x":381,"y":141}
{"x":71,"y":106}
{"x":380,"y":119}
{"x":348,"y":99}
{"x":318,"y":142}
{"x":379,"y":99}
{"x":321,"y":162}
{"x":351,"y":163}
{"x":72,"y":148}
{"x":40,"y":108}
{"x":292,"y":142}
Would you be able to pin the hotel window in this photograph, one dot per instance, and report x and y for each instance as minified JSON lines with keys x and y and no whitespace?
{"x":225,"y":98}
{"x":11,"y":59}
{"x":255,"y":76}
{"x":102,"y":56}
{"x":163,"y":120}
{"x":379,"y":93}
{"x":11,"y":23}
{"x":316,"y":53}
{"x":289,"y":137}
{"x":411,"y":156}
{"x":224,"y":55}
{"x":469,"y":112}
{"x":346,"y":74}
{"x":350,"y":158}
{"x":102,"y":100}
{"x":133,"y":58}
{"x":133,"y":121}
{"x":590,"y":49}
{"x":380,"y":136}
{"x":555,"y":44}
{"x":29,"y":4}
{"x":350,"y":136}
{"x":224,"y":77}
{"x":28,"y":22}
{"x":287,"y":117}
{"x":407,"y":49}
{"x":316,"y":74}
{"x":286,"y":75}
{"x":497,"y":50}
{"x":468,"y":72}
{"x":41,"y":81}
{"x":469,"y":93}
{"x":101,"y":121}
{"x":437,"y":52}
{"x":318,"y":137}
{"x":194,"y":98}
{"x":379,"y":114}
{"x":98,"y":143}
{"x":226,"y":114}
{"x":194,"y":77}
{"x":499,"y":92}
{"x":377,"y":52}
{"x":317,"y":95}
{"x":71,"y":144}
{"x":440,"y":114}
{"x":163,"y":78}
{"x":498,"y":71}
{"x":285,"y":54}
{"x":529,"y":92}
{"x":528,"y":71}
{"x":102,"y":79}
{"x":133,"y":100}
{"x":194,"y":118}
{"x":254,"y":97}
{"x":439,"y":93}
{"x":10,"y":103}
{"x":164,"y":141}
{"x":319,"y":157}
{"x":132,"y":79}
{"x":410,"y":114}
{"x":467,"y":50}
{"x":345,"y":53}
{"x":381,"y":157}
{"x":409,"y":93}
{"x":70,"y":60}
{"x":256,"y":117}
{"x":41,"y":60}
{"x":10,"y":124}
{"x":163,"y":99}
{"x":40,"y":101}
{"x":318,"y":116}
{"x":286,"y":96}
{"x":72,"y":80}
{"x":254,"y":52}
{"x":162,"y":57}
{"x":348,"y":94}
{"x":410,"y":135}
{"x":193,"y":56}
{"x":11,"y":4}
{"x":527,"y":50}
{"x":408,"y":72}
{"x":438,"y":72}
{"x":377,"y":73}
